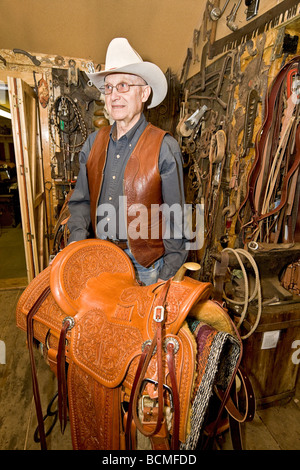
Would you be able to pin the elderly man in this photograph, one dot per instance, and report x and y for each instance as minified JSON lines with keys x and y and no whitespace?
{"x":131,"y":172}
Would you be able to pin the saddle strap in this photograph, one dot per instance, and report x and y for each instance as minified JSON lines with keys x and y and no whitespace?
{"x":220,"y":272}
{"x":36,"y":393}
{"x":160,"y":441}
{"x":235,"y":427}
{"x":141,"y":371}
{"x":61,"y":378}
{"x":231,"y":407}
{"x":235,"y":416}
{"x":143,"y":365}
{"x":134,"y":386}
{"x":67,"y":324}
{"x":176,"y":402}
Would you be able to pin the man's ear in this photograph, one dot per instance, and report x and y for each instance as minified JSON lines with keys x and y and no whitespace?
{"x":146,"y":93}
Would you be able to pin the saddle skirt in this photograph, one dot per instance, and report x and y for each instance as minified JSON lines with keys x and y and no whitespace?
{"x":111,"y":321}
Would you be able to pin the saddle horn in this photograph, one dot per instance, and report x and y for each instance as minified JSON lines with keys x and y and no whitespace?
{"x":181,"y":271}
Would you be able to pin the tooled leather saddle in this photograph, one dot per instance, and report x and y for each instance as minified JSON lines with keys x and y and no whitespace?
{"x":132,"y":362}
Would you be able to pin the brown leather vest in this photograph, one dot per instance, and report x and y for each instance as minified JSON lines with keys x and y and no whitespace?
{"x":142,"y":187}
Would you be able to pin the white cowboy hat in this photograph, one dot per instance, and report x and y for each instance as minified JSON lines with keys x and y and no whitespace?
{"x":122,"y":58}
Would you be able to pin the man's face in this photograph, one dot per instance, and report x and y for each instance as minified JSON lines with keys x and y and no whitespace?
{"x":126,"y":107}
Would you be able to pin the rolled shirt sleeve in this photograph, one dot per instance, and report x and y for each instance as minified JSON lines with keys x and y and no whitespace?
{"x":79,"y":204}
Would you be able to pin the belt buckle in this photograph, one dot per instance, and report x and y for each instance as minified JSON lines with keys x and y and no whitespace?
{"x":154,"y":382}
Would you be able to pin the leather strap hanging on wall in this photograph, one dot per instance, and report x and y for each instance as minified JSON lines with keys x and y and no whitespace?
{"x":266,"y":140}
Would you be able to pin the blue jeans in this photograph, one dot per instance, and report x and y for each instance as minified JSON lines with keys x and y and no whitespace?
{"x":146,"y":275}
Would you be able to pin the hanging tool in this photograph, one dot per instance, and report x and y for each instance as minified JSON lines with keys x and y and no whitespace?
{"x":196,"y":37}
{"x":274,"y":16}
{"x":31,"y":57}
{"x":72,"y":73}
{"x":216,"y":12}
{"x":91,"y":69}
{"x":193,"y":120}
{"x":48,"y":187}
{"x":186,"y":66}
{"x":252,"y":8}
{"x":230,"y":19}
{"x":252,"y":103}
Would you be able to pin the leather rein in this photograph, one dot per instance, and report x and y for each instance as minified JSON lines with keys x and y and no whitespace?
{"x":261,"y":147}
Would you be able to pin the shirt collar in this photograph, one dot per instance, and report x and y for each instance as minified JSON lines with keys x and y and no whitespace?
{"x":139,"y":126}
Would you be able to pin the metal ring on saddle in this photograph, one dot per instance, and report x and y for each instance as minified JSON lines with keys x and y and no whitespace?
{"x":173,"y":341}
{"x":148,"y":343}
{"x":71,"y":321}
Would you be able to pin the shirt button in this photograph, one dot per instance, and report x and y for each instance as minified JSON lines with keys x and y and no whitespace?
{"x":110,"y":198}
{"x":118,"y":156}
{"x":114,"y":177}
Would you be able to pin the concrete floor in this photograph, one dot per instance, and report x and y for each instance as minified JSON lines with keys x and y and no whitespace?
{"x":12,"y":255}
{"x":273,"y":428}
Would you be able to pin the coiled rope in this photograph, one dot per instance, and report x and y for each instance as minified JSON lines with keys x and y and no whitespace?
{"x":256,"y":291}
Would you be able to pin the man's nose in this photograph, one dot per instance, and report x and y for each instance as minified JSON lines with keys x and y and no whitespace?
{"x":115,"y":94}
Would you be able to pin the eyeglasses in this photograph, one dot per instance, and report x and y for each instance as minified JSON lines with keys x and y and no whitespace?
{"x":120,"y":87}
